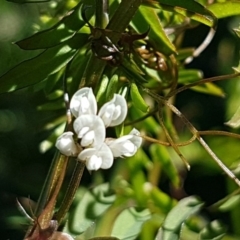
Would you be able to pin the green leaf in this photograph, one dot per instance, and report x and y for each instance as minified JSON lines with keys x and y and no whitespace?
{"x":101,"y":91}
{"x":62,"y":31}
{"x":186,"y":76}
{"x":172,"y":225}
{"x":137,"y":99}
{"x":28,"y":1}
{"x":214,"y":231}
{"x":160,"y":154}
{"x":230,"y":203}
{"x":225,"y":9}
{"x":132,"y":71}
{"x":191,"y":9}
{"x":129,"y":223}
{"x":146,"y":17}
{"x":157,"y":35}
{"x":161,"y":200}
{"x":40,"y":67}
{"x":234,"y":122}
{"x":91,"y":205}
{"x":209,"y":88}
{"x":112,"y":87}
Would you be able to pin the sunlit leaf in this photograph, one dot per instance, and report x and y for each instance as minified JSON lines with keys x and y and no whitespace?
{"x":129,"y":223}
{"x":62,"y":31}
{"x":225,"y":9}
{"x":172,"y":225}
{"x":40,"y":67}
{"x":147,"y":17}
{"x":160,"y":154}
{"x":189,"y":75}
{"x":157,"y":35}
{"x":209,"y":88}
{"x":234,"y":122}
{"x":161,"y":200}
{"x":101,"y":91}
{"x":89,"y":208}
{"x":214,"y":231}
{"x":230,"y":203}
{"x":132,"y":71}
{"x":184,"y":53}
{"x":150,"y":227}
{"x":28,"y":1}
{"x":191,"y":9}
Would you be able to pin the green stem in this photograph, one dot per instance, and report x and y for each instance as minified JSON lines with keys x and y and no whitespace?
{"x":119,"y":22}
{"x":102,"y":17}
{"x":47,"y":214}
{"x":51,"y":181}
{"x":48,"y":196}
{"x":123,"y":15}
{"x":71,"y":190}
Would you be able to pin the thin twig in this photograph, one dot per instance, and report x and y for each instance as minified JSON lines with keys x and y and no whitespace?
{"x":203,"y":143}
{"x":172,"y":143}
{"x":206,"y":80}
{"x":182,"y":144}
{"x":194,"y":131}
{"x":216,"y":132}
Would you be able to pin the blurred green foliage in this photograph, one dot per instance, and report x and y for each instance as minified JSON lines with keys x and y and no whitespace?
{"x":150,"y":195}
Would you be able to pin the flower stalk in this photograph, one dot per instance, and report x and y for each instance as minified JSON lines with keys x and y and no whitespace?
{"x":71,"y":190}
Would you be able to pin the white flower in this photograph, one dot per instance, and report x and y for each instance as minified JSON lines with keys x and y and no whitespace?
{"x":83,"y":102}
{"x":114,"y":112}
{"x":97,"y":158}
{"x":125,"y":146}
{"x":90,"y":129}
{"x":66,"y":145}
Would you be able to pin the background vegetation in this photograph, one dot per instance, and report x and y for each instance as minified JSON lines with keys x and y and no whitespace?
{"x":35,"y":113}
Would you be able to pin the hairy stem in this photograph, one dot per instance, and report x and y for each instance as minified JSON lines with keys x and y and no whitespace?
{"x":71,"y":190}
{"x":56,"y":170}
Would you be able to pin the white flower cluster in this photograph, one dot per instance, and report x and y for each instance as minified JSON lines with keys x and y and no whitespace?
{"x":90,"y":127}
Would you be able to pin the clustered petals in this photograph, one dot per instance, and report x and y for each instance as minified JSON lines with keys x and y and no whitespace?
{"x":114,"y":112}
{"x":90,"y":128}
{"x":125,"y":146}
{"x":83,"y":102}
